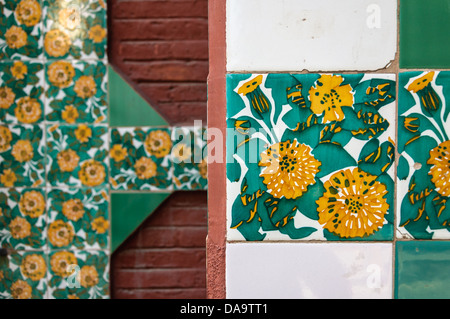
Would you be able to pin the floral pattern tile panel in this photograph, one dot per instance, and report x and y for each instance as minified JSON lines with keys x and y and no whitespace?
{"x":20,"y":29}
{"x":22,"y":156}
{"x":75,"y":29}
{"x":76,"y":92}
{"x":424,"y":165}
{"x":77,"y":155}
{"x":140,"y":158}
{"x":310,"y":156}
{"x":189,"y":158}
{"x":21,"y":92}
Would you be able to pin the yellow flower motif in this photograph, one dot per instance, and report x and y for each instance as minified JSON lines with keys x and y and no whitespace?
{"x":328,"y":96}
{"x":28,"y":12}
{"x":440,"y":171}
{"x":97,"y":33}
{"x":251,"y":89}
{"x":100,"y":225}
{"x":21,"y":290}
{"x":34,"y":267}
{"x":289,"y":169}
{"x":88,"y":276}
{"x":83,"y":133}
{"x":57,"y":43}
{"x":67,"y":160}
{"x":85,"y":87}
{"x":92,"y":173}
{"x":158,"y":143}
{"x":18,"y":70}
{"x":428,"y":96}
{"x":69,"y":18}
{"x":73,"y":209}
{"x":70,"y":114}
{"x":145,"y":168}
{"x":7,"y":97}
{"x":203,"y":168}
{"x":5,"y":138}
{"x":118,"y":153}
{"x":60,"y":234}
{"x":8,"y":178}
{"x":32,"y":204}
{"x":60,"y":261}
{"x":73,"y":297}
{"x":182,"y":153}
{"x":60,"y":73}
{"x":22,"y":151}
{"x":28,"y":110}
{"x":20,"y":228}
{"x":15,"y":37}
{"x":421,"y":82}
{"x":353,"y":204}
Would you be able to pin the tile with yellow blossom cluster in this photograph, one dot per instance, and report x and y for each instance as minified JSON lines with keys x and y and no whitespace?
{"x":75,"y":29}
{"x":77,"y":155}
{"x":76,"y":92}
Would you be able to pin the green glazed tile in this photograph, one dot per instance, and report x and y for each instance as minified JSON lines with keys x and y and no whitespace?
{"x":423,"y":143}
{"x":423,"y":41}
{"x":422,"y":270}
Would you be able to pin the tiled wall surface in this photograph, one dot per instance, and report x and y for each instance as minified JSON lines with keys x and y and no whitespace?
{"x":338,"y":132}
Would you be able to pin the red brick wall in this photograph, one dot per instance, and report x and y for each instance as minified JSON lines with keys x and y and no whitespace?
{"x":162,"y":45}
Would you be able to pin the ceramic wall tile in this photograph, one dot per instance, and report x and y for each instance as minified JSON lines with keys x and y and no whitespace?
{"x":310,"y":156}
{"x":140,"y":158}
{"x":309,"y":270}
{"x":76,"y":92}
{"x":423,"y":143}
{"x":20,"y":29}
{"x":77,"y":155}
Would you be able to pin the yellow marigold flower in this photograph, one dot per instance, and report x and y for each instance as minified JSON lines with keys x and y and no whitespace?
{"x":18,"y":70}
{"x":70,"y":114}
{"x":440,"y":171}
{"x":60,"y":261}
{"x":69,"y":17}
{"x":28,"y":12}
{"x":203,"y":168}
{"x":15,"y":37}
{"x":353,"y":204}
{"x":92,"y":173}
{"x":32,"y":204}
{"x":20,"y":228}
{"x":8,"y":178}
{"x":28,"y":110}
{"x":22,"y":151}
{"x":60,"y":73}
{"x":83,"y":133}
{"x":67,"y":160}
{"x":60,"y":234}
{"x":428,"y":96}
{"x":289,"y":169}
{"x":5,"y":138}
{"x":118,"y":153}
{"x":85,"y":87}
{"x":182,"y":153}
{"x":328,"y":97}
{"x":21,"y":290}
{"x":7,"y":97}
{"x":251,"y":89}
{"x":145,"y":168}
{"x":34,"y":267}
{"x":88,"y":276}
{"x":100,"y":225}
{"x":158,"y":143}
{"x":97,"y":33}
{"x":57,"y":43}
{"x":73,"y":209}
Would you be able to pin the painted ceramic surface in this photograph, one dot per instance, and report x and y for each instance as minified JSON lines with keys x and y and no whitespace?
{"x":21,"y":92}
{"x":424,"y":144}
{"x":76,"y":92}
{"x":140,"y":158}
{"x":75,"y":29}
{"x":22,"y":156}
{"x":20,"y":29}
{"x":23,"y":218}
{"x":310,"y":156}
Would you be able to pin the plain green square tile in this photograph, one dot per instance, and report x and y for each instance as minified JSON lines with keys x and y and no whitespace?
{"x":424,"y":36}
{"x":422,"y":270}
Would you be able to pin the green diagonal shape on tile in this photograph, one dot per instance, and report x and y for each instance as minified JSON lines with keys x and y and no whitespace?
{"x":129,"y":210}
{"x":127,"y":107}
